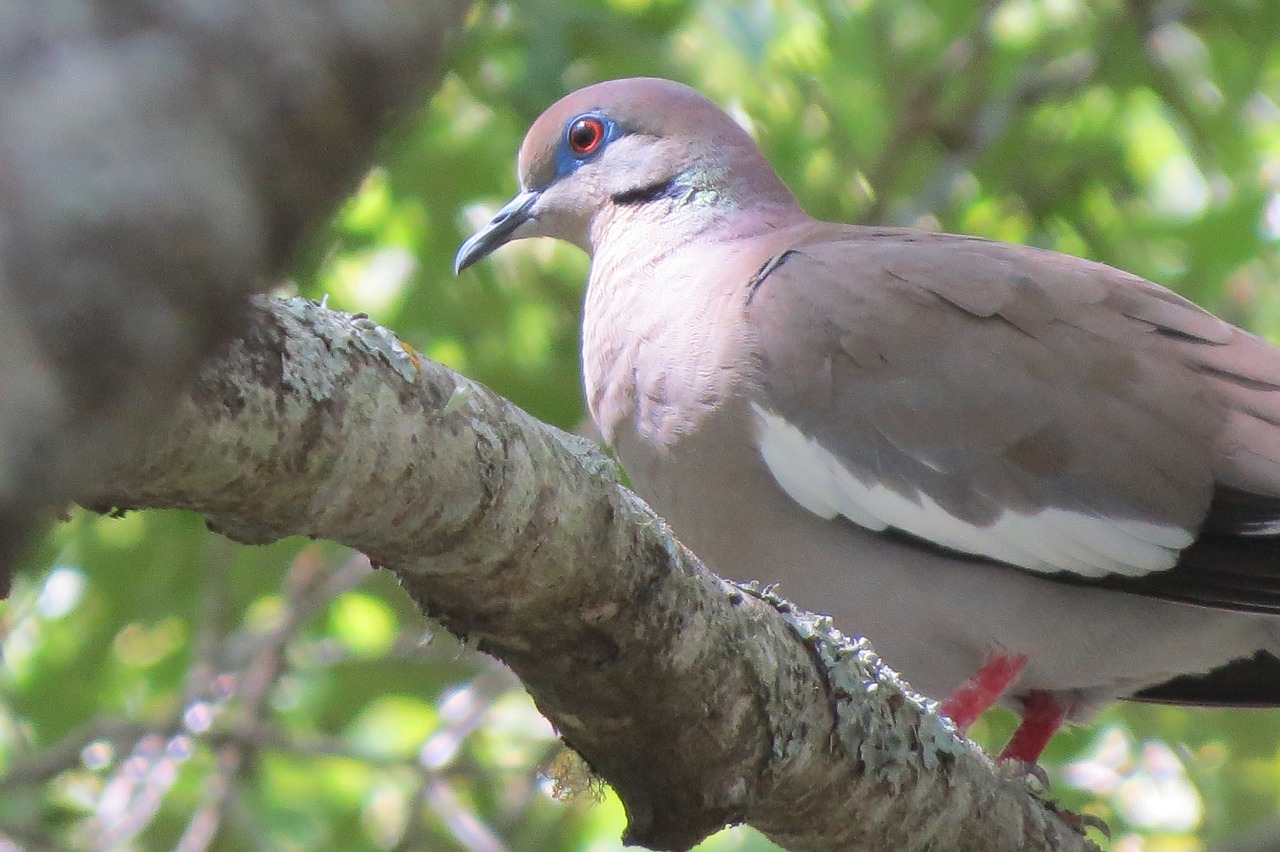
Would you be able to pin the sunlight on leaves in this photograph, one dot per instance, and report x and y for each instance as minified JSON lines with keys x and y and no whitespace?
{"x":392,"y":726}
{"x":363,"y":623}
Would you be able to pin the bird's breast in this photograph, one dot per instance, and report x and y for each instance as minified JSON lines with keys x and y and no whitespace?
{"x":663,"y":352}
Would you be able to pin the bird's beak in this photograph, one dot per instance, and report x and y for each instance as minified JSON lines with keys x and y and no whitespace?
{"x":498,"y":232}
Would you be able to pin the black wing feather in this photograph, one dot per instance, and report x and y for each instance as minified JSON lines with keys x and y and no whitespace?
{"x":1252,"y":682}
{"x":1229,"y":566}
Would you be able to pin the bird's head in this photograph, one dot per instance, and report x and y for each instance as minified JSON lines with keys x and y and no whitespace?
{"x":626,"y":143}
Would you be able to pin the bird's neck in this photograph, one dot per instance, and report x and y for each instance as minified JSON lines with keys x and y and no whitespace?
{"x":642,"y":230}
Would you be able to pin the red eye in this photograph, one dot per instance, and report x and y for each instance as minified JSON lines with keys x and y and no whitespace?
{"x":585,"y":135}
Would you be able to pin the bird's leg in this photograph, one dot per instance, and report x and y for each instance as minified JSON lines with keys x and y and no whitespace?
{"x":1042,"y":715}
{"x":977,"y":693}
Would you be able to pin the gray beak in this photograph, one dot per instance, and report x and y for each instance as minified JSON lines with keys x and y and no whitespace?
{"x":497,"y":233}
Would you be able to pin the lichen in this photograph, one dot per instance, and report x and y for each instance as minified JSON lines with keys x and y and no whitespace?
{"x":462,"y":394}
{"x":588,"y":454}
{"x":870,"y":700}
{"x":387,"y":347}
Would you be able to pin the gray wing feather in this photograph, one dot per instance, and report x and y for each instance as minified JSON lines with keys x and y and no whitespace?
{"x":991,"y":379}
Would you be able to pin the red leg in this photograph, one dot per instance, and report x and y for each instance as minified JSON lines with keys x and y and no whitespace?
{"x":979,"y":692}
{"x":1042,"y":715}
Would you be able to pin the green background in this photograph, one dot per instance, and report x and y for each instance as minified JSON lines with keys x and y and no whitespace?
{"x":1145,"y":135}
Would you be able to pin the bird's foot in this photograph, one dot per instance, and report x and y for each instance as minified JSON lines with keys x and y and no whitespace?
{"x":1077,"y":822}
{"x":1032,"y":774}
{"x":1081,"y":823}
{"x":1036,"y":779}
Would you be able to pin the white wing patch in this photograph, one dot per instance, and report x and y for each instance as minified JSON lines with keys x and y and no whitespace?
{"x":1049,"y":540}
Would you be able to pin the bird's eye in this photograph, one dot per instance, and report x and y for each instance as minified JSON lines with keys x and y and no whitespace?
{"x":585,"y":135}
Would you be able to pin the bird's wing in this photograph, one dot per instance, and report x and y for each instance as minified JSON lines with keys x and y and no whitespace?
{"x":1023,"y":406}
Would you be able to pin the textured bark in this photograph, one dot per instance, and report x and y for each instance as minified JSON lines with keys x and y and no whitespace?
{"x":700,"y":703}
{"x":158,"y":161}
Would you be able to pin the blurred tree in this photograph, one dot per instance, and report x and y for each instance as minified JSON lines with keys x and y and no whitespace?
{"x":1143,"y":134}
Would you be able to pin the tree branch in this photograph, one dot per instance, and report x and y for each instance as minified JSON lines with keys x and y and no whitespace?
{"x":701,"y":704}
{"x":158,"y":161}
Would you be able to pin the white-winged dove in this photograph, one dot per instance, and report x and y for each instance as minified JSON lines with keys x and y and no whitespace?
{"x":1026,"y":477}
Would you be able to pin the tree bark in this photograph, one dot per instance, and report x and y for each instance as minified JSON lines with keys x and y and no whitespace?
{"x":701,"y":703}
{"x":158,"y":162}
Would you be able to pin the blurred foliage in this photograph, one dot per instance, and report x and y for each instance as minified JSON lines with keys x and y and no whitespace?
{"x":163,"y":687}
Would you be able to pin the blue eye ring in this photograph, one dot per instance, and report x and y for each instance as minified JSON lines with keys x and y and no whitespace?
{"x":584,"y":135}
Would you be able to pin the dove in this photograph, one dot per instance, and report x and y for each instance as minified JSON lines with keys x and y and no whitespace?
{"x":1028,"y":478}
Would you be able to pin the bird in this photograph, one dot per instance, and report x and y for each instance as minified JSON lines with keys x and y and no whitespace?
{"x":1029,"y":479}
